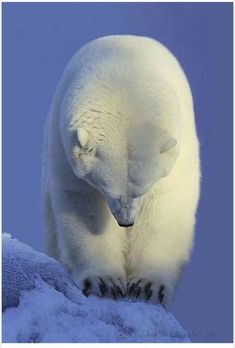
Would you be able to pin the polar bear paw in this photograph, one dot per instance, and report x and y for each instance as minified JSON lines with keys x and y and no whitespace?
{"x":151,"y":290}
{"x":104,"y":286}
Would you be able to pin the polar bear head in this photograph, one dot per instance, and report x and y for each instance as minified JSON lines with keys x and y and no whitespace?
{"x":123,"y":164}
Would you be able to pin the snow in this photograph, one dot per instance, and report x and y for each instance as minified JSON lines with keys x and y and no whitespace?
{"x":41,"y":303}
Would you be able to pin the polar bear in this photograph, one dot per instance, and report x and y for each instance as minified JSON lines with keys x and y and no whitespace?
{"x":121,"y":170}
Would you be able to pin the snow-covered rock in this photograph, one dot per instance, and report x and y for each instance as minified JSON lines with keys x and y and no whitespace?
{"x":41,"y":303}
{"x":21,"y":264}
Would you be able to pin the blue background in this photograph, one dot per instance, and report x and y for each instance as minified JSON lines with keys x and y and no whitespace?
{"x":38,"y":41}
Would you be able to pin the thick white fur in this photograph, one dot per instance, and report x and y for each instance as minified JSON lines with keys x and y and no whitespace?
{"x":121,"y":137}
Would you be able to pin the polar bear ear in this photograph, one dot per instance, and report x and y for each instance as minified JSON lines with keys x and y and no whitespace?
{"x":168,"y":144}
{"x":83,"y":137}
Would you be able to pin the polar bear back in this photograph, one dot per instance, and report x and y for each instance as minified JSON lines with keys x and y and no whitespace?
{"x":137,"y":75}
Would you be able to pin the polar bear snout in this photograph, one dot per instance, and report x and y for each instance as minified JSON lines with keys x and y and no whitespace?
{"x":124,"y":211}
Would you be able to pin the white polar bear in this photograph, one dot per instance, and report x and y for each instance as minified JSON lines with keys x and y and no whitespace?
{"x":121,"y":169}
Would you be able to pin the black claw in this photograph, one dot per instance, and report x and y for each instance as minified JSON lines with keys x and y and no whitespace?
{"x":120,"y":291}
{"x":113,"y":293}
{"x":112,"y":282}
{"x":103,"y":288}
{"x":87,"y":286}
{"x":85,"y":293}
{"x":147,"y":287}
{"x":123,"y":288}
{"x":103,"y":285}
{"x":138,"y":292}
{"x":149,"y":294}
{"x":148,"y":291}
{"x":114,"y":288}
{"x":131,"y":288}
{"x":161,"y":294}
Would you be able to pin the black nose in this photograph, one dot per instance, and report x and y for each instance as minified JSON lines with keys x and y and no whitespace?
{"x":128,"y":225}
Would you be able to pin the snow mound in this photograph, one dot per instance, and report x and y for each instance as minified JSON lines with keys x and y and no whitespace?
{"x":41,"y":303}
{"x":21,"y":264}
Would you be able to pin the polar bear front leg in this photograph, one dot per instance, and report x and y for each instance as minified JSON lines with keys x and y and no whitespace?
{"x":89,"y":243}
{"x":160,"y":245}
